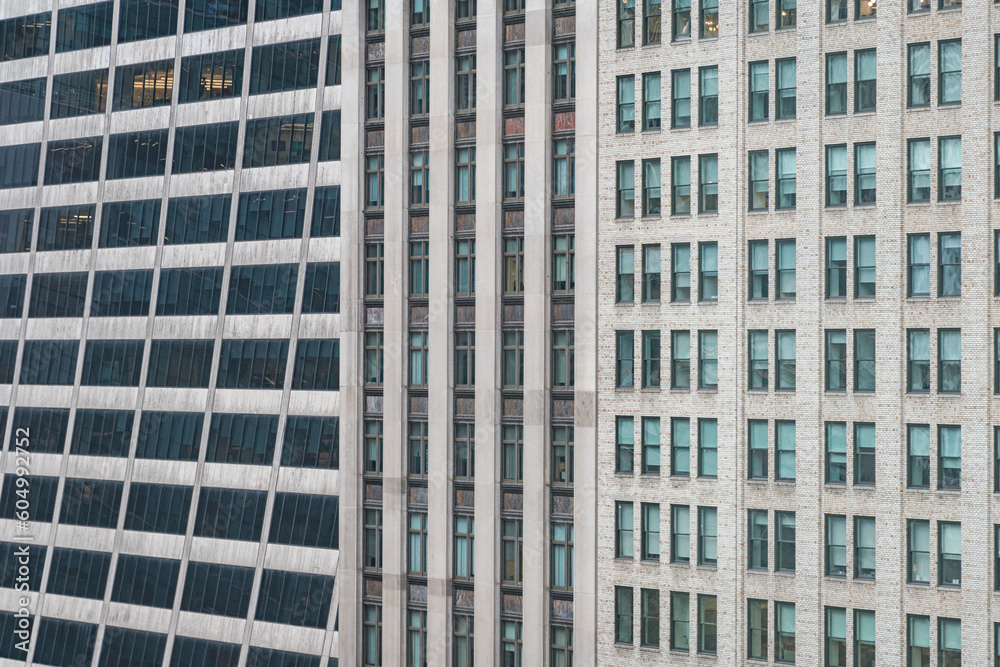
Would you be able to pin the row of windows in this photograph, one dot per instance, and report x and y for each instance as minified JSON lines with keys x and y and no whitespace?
{"x":243,"y":364}
{"x":679,"y":624}
{"x":309,"y":442}
{"x":269,"y":141}
{"x":260,"y":215}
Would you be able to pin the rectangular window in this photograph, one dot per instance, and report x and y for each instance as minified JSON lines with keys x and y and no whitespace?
{"x":919,"y":169}
{"x":759,"y":278}
{"x":759,"y":166}
{"x":253,"y":364}
{"x":950,"y":264}
{"x":513,"y":79}
{"x":836,"y":545}
{"x":709,"y":18}
{"x":708,"y":91}
{"x":708,"y":183}
{"x":58,"y":294}
{"x":512,"y":368}
{"x":651,"y":101}
{"x":465,"y":84}
{"x":651,"y":359}
{"x":836,"y":360}
{"x":950,"y":169}
{"x":785,"y":99}
{"x":919,"y":265}
{"x":950,"y":71}
{"x":137,"y":154}
{"x":680,"y":284}
{"x":78,"y":28}
{"x":562,"y":456}
{"x":268,"y":10}
{"x":836,"y":175}
{"x":650,"y":531}
{"x":707,"y":624}
{"x":757,"y":549}
{"x":784,"y":546}
{"x":211,"y":76}
{"x":262,"y":289}
{"x":624,"y":527}
{"x":949,"y":457}
{"x":312,"y":442}
{"x":865,"y":72}
{"x":512,"y":551}
{"x":680,"y":447}
{"x":708,"y":360}
{"x":708,"y":448}
{"x":836,"y":267}
{"x":680,"y":534}
{"x":949,"y":629}
{"x":112,"y":363}
{"x":465,"y":452}
{"x":317,"y":365}
{"x":465,"y":360}
{"x":918,"y":470}
{"x":680,"y":615}
{"x":189,"y":291}
{"x":708,"y":536}
{"x":864,"y":454}
{"x":836,"y":11}
{"x":625,"y":201}
{"x":949,"y":553}
{"x":836,"y":453}
{"x":66,"y":228}
{"x":708,"y":271}
{"x":562,"y":360}
{"x":79,"y":94}
{"x":680,"y":89}
{"x":651,"y":187}
{"x":784,"y":632}
{"x":864,"y":547}
{"x":760,"y":84}
{"x":625,"y":356}
{"x":918,"y":362}
{"x":918,"y":628}
{"x":624,"y":444}
{"x":680,"y":194}
{"x":626,"y":23}
{"x":562,"y":556}
{"x":682,"y":20}
{"x":949,"y":361}
{"x":625,"y":275}
{"x":623,"y":615}
{"x":757,"y":634}
{"x":760,"y":14}
{"x":785,"y":177}
{"x":200,"y":148}
{"x":464,"y":547}
{"x":864,"y":267}
{"x":172,"y":436}
{"x":142,"y":85}
{"x":564,"y":72}
{"x":26,"y":156}
{"x":784,"y":352}
{"x":918,"y":551}
{"x":836,"y":637}
{"x":626,"y":104}
{"x":919,"y":71}
{"x":72,"y":161}
{"x":142,"y":19}
{"x":465,"y":176}
{"x":785,"y":268}
{"x":650,"y":619}
{"x":680,"y":360}
{"x":784,"y":444}
{"x":757,"y":441}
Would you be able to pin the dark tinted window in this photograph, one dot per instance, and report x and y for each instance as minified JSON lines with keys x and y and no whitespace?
{"x":12,"y":556}
{"x":174,"y":436}
{"x":132,"y":648}
{"x":150,"y":582}
{"x":326,"y":212}
{"x":121,"y":293}
{"x":12,"y":295}
{"x":143,"y":85}
{"x":276,"y":214}
{"x":158,"y":508}
{"x":321,"y":293}
{"x":329,"y":138}
{"x":112,"y":363}
{"x":11,"y":624}
{"x":305,"y":520}
{"x":19,"y":166}
{"x":25,"y":36}
{"x":41,"y":490}
{"x":84,"y":27}
{"x":252,"y":364}
{"x":15,"y":228}
{"x":333,"y":61}
{"x":317,"y":365}
{"x":211,"y":76}
{"x":144,"y":19}
{"x":231,"y":514}
{"x":211,"y":14}
{"x":311,"y":442}
{"x":129,"y":223}
{"x":8,"y":358}
{"x":46,"y":427}
{"x":49,"y":361}
{"x":102,"y":432}
{"x":279,"y":9}
{"x":263,"y":289}
{"x":286,"y":66}
{"x":22,"y":101}
{"x":180,"y":363}
{"x":65,"y":642}
{"x":278,"y":140}
{"x":73,"y":160}
{"x":242,"y":439}
{"x":197,"y":219}
{"x":294,"y":598}
{"x":91,"y":502}
{"x":189,"y":291}
{"x":222,"y":590}
{"x":58,"y":294}
{"x":81,"y":574}
{"x":205,"y":147}
{"x":137,"y":154}
{"x":66,"y":227}
{"x":79,"y":93}
{"x":191,"y":652}
{"x":271,"y":657}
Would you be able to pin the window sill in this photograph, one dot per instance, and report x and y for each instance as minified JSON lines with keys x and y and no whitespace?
{"x":717,"y":125}
{"x":714,"y":214}
{"x":949,"y":105}
{"x":786,"y":120}
{"x":758,"y":121}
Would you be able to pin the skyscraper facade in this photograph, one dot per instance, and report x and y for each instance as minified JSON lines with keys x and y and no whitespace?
{"x":169,"y":337}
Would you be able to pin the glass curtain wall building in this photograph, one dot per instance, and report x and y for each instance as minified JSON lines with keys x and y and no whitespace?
{"x":169,"y":330}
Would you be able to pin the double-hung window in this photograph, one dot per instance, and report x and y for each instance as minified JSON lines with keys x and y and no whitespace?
{"x":787,"y":13}
{"x":680,"y":195}
{"x":625,"y":280}
{"x":651,"y":446}
{"x":836,"y":267}
{"x":626,"y":104}
{"x":623,"y":615}
{"x":680,"y":283}
{"x":836,"y":175}
{"x":949,"y":361}
{"x":784,"y":103}
{"x":919,"y":64}
{"x":651,"y":187}
{"x":865,"y":72}
{"x":680,"y":534}
{"x":864,"y":360}
{"x":864,"y":267}
{"x":625,"y":360}
{"x":625,"y":444}
{"x":708,"y":183}
{"x":836,"y":545}
{"x":864,"y":174}
{"x":757,"y":441}
{"x":864,"y":454}
{"x":919,"y":265}
{"x":836,"y":11}
{"x":758,"y":180}
{"x":864,"y":547}
{"x":680,"y":360}
{"x":836,"y":453}
{"x":949,"y":554}
{"x":758,"y":255}
{"x":784,"y":352}
{"x":650,"y":538}
{"x":836,"y":83}
{"x":918,"y":360}
{"x":651,"y":101}
{"x":708,"y":271}
{"x":760,"y":13}
{"x":950,"y":169}
{"x":785,"y":268}
{"x":680,"y":447}
{"x":758,"y":360}
{"x":759,"y":90}
{"x":651,"y":25}
{"x":919,"y":170}
{"x":625,"y":200}
{"x":624,"y":529}
{"x":651,"y":272}
{"x":784,"y":454}
{"x":757,"y":551}
{"x":651,"y":359}
{"x":785,"y":177}
{"x":708,"y":535}
{"x":682,"y":20}
{"x":950,"y":71}
{"x":708,"y":447}
{"x":949,"y":457}
{"x":680,"y":93}
{"x":918,"y":467}
{"x":708,"y":359}
{"x":708,"y":91}
{"x":709,"y":18}
{"x":626,"y":23}
{"x":836,"y":360}
{"x":950,"y":264}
